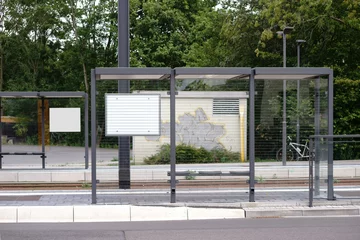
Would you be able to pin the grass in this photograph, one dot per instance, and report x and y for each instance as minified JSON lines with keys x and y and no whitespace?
{"x":86,"y":185}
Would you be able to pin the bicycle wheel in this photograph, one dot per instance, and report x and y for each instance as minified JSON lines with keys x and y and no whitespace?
{"x":289,"y":155}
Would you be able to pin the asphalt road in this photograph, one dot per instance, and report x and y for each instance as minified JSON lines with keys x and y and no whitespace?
{"x":66,"y":156}
{"x":336,"y":228}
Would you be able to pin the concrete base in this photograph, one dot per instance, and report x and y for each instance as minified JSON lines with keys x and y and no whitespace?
{"x":126,"y":213}
{"x":111,"y":213}
{"x":301,"y":211}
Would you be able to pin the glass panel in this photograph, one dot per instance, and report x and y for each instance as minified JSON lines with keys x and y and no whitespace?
{"x":212,"y":141}
{"x":290,"y":177}
{"x":21,"y":133}
{"x":147,"y":171}
{"x":346,"y":168}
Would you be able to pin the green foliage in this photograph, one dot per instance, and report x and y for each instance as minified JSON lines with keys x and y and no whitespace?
{"x":86,"y":185}
{"x":260,"y":179}
{"x":190,"y":154}
{"x":190,"y":177}
{"x":21,"y":127}
{"x":347,"y":117}
{"x":51,"y":45}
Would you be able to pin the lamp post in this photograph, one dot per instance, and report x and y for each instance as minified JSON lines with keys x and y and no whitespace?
{"x":298,"y":42}
{"x":285,"y":31}
{"x":2,"y":2}
{"x":123,"y":87}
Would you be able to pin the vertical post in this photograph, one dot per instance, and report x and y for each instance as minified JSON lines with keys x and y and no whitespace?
{"x":1,"y":156}
{"x":311,"y":177}
{"x":93,"y":137}
{"x":298,"y":102}
{"x":172,"y":138}
{"x":299,"y":42}
{"x":86,"y":129}
{"x":43,"y":132}
{"x":123,"y":87}
{"x":252,"y":137}
{"x":317,"y":139}
{"x":330,"y":190}
{"x":284,"y":106}
{"x":2,"y":13}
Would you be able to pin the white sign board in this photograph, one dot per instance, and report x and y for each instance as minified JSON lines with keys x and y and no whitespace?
{"x":65,"y":120}
{"x":132,"y":115}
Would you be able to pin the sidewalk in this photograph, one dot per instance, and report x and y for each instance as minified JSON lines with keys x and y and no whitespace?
{"x":153,"y":205}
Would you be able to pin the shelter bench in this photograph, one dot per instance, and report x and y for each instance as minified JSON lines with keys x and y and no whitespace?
{"x":209,"y":173}
{"x":41,"y":154}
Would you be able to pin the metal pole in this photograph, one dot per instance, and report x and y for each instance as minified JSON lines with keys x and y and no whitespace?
{"x":252,"y":137}
{"x":284,"y":106}
{"x":330,"y":140}
{"x":172,"y":138}
{"x":298,"y":103}
{"x":317,"y":140}
{"x":1,"y":73}
{"x":311,"y":177}
{"x":1,"y":156}
{"x":299,"y":42}
{"x":43,"y":132}
{"x":86,"y":129}
{"x":123,"y":87}
{"x":93,"y":137}
{"x":2,"y":13}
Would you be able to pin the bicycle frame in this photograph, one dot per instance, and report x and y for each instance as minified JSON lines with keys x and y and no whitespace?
{"x":301,"y":149}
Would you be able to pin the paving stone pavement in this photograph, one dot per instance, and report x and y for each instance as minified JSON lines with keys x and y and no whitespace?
{"x":158,"y":197}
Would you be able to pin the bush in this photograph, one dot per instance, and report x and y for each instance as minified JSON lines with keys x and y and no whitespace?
{"x":190,"y":154}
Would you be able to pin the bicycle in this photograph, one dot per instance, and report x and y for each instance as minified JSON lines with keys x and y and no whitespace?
{"x":302,"y":150}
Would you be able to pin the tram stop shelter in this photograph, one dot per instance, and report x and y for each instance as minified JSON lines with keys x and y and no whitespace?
{"x":43,"y":96}
{"x":207,"y":73}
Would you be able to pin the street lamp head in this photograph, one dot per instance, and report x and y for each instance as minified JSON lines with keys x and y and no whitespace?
{"x":280,"y":33}
{"x":300,"y":41}
{"x":288,"y":30}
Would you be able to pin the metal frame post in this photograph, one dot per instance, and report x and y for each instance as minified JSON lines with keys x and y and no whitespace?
{"x":43,"y":132}
{"x":330,"y":190}
{"x":172,"y":138}
{"x":1,"y":156}
{"x":123,"y":87}
{"x":317,"y":140}
{"x":93,"y":137}
{"x":252,"y":137}
{"x":86,"y":130}
{"x":284,"y":106}
{"x":311,"y":172}
{"x":298,"y":104}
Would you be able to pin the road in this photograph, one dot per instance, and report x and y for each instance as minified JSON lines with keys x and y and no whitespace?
{"x":344,"y":228}
{"x":60,"y":156}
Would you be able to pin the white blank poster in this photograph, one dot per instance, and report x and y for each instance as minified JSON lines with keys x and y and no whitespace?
{"x":132,"y":115}
{"x":65,"y":120}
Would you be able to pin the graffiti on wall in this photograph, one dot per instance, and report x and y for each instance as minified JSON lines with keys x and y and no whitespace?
{"x":194,"y":130}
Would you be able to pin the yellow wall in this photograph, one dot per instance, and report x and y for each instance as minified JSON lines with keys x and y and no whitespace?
{"x":232,"y":125}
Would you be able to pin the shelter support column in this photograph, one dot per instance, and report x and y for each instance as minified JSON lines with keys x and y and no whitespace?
{"x":1,"y":156}
{"x":317,"y":140}
{"x":43,"y":132}
{"x":330,"y":189}
{"x":172,"y":138}
{"x":93,"y":137}
{"x":252,"y":138}
{"x":86,"y":129}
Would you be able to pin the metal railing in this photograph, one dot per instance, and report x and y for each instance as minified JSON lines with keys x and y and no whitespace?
{"x":314,"y":151}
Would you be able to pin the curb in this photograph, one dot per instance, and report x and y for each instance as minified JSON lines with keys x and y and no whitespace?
{"x":111,"y":213}
{"x":302,"y":211}
{"x":129,"y":213}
